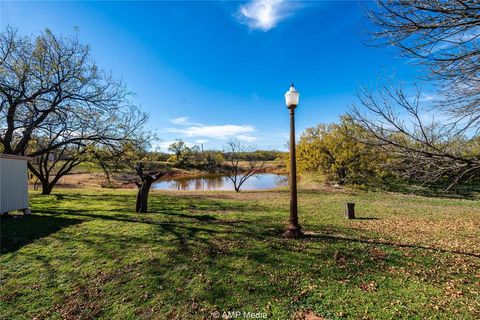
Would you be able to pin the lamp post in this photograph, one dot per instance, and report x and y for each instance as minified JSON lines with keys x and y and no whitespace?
{"x":293,"y":230}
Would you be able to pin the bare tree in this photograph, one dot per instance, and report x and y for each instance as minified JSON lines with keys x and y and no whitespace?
{"x":56,"y":104}
{"x":438,"y":141}
{"x":51,"y":166}
{"x":240,"y":163}
{"x":428,"y":150}
{"x":443,"y":37}
{"x":144,"y":185}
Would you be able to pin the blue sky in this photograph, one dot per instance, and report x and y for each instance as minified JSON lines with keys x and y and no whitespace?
{"x":209,"y":71}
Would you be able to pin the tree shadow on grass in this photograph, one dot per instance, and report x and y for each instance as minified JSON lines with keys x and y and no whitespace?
{"x":158,"y":203}
{"x":134,"y":218}
{"x":196,"y":207}
{"x":224,"y":266}
{"x":324,"y":237}
{"x":16,"y":233}
{"x":193,"y":258}
{"x":199,"y":217}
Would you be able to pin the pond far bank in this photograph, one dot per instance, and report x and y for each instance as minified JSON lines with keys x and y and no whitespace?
{"x":93,"y":177}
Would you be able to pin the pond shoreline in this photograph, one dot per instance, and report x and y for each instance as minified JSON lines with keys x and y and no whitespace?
{"x":126,"y":180}
{"x":217,"y":182}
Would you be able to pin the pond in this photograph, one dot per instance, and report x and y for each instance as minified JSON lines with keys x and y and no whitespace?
{"x":220,"y":182}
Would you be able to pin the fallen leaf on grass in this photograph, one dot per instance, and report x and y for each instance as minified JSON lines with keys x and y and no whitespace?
{"x":307,"y":315}
{"x":369,"y":286}
{"x":377,"y":253}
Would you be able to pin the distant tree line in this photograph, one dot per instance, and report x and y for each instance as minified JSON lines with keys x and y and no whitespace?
{"x":180,"y":155}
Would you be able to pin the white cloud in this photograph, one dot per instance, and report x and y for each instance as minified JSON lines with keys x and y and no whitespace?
{"x":186,"y":129}
{"x":215,"y":131}
{"x":427,"y":97}
{"x":246,"y":137}
{"x":265,"y":14}
{"x":180,"y":121}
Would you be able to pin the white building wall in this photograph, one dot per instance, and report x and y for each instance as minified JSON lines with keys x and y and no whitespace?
{"x":13,"y":184}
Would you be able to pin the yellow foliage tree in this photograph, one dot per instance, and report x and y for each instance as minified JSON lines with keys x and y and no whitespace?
{"x":333,"y":153}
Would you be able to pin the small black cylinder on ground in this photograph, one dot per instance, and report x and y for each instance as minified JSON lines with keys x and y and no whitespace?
{"x":350,"y":210}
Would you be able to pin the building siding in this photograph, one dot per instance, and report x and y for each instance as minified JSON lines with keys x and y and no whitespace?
{"x":13,"y":185}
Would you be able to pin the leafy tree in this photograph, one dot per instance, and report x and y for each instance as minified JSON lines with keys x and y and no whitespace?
{"x":157,"y":156}
{"x":177,"y":148}
{"x":184,"y":156}
{"x":213,"y":159}
{"x":261,"y":155}
{"x":330,"y":151}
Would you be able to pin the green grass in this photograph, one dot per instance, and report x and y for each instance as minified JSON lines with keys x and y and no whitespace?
{"x":84,"y":254}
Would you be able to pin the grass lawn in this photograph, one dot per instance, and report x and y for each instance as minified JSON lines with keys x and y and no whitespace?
{"x":84,"y":254}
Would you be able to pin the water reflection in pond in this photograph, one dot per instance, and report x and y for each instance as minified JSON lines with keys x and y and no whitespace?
{"x":219,"y":182}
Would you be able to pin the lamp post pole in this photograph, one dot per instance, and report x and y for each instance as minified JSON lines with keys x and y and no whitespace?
{"x":294,"y":228}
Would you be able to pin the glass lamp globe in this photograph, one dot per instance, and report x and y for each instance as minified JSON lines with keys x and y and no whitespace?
{"x":292,"y":96}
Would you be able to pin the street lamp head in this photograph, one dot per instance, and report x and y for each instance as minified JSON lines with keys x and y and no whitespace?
{"x":291,"y":97}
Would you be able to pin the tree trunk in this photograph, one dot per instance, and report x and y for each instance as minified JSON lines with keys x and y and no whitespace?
{"x":44,"y":179}
{"x":342,"y":176}
{"x":142,"y":196}
{"x":46,"y":188}
{"x":144,"y":187}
